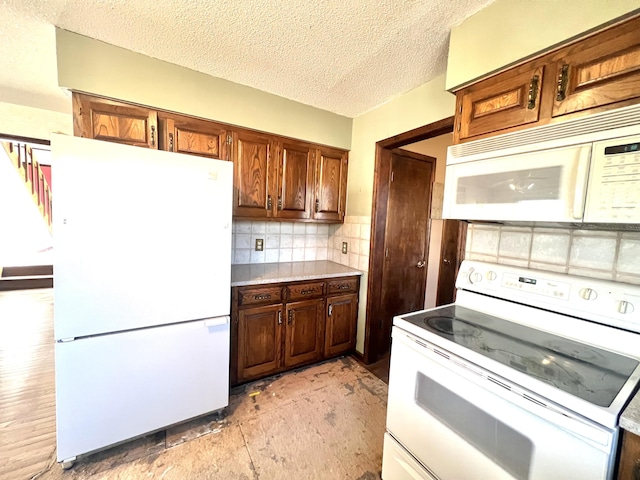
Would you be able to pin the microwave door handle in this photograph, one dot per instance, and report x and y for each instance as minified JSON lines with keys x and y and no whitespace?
{"x":581,"y":184}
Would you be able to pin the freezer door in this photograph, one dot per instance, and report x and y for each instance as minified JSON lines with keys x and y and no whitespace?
{"x":141,"y":237}
{"x":111,"y":388}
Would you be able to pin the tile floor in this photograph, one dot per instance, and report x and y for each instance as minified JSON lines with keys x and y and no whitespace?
{"x":321,"y":422}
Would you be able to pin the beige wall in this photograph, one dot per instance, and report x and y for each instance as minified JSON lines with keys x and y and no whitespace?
{"x":508,"y":30}
{"x":88,"y":65}
{"x":33,"y":122}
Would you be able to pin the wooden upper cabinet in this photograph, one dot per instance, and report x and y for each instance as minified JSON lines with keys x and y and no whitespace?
{"x":295,"y":181}
{"x":330,"y":185}
{"x":193,"y":136}
{"x":506,"y":100}
{"x":112,"y":121}
{"x":601,"y":70}
{"x":253,"y":183}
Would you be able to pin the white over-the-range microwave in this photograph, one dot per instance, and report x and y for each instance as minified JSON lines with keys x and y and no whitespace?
{"x":584,"y":171}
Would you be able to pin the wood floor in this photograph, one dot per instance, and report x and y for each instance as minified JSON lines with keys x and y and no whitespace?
{"x":321,"y":422}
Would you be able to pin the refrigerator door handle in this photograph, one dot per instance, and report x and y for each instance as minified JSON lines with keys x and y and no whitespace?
{"x":216,"y":322}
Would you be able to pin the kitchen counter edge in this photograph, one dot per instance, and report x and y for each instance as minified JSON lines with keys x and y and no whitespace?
{"x":265,"y":273}
{"x":630,"y":418}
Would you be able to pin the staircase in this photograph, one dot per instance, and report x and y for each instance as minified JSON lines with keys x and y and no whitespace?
{"x":37,"y":178}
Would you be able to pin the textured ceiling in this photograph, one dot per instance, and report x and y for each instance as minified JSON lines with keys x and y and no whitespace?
{"x":345,"y":56}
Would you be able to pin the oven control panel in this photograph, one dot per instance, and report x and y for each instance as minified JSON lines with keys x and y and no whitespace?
{"x":538,"y":286}
{"x":603,"y":301}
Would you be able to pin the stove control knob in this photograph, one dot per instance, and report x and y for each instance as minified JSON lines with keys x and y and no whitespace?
{"x":476,"y":277}
{"x":625,"y":307}
{"x":491,"y":275}
{"x":588,"y":294}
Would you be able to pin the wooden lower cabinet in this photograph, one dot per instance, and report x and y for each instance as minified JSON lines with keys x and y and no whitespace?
{"x":342,"y":314}
{"x":304,"y":332}
{"x":278,"y":327}
{"x":629,"y":464}
{"x":259,"y":340}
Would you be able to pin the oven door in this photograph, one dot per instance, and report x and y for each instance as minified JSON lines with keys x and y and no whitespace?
{"x":463,"y":425}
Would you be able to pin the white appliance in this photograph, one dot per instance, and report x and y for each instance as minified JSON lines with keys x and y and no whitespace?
{"x":523,"y":377}
{"x":142,"y":267}
{"x":582,"y":171}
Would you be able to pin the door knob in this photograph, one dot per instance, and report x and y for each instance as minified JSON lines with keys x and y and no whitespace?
{"x":421,"y":264}
{"x":446,"y":261}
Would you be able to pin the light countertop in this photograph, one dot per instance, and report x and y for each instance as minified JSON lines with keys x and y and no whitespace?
{"x":630,"y":418}
{"x":261,"y":273}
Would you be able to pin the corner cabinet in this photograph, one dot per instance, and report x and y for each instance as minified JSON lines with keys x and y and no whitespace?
{"x":281,"y":326}
{"x":275,"y":178}
{"x":597,"y":73}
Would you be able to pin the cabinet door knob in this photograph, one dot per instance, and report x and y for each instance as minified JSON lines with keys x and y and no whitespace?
{"x":153,"y":135}
{"x":330,"y":310}
{"x":290,"y":317}
{"x":280,"y":318}
{"x":533,"y":92}
{"x":269,"y":203}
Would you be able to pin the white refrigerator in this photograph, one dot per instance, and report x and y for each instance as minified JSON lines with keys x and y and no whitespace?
{"x":142,"y":267}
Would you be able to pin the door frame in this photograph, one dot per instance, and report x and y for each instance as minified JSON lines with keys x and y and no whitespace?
{"x":378,"y":222}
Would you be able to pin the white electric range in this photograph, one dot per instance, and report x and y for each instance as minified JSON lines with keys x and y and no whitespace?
{"x":523,"y":377}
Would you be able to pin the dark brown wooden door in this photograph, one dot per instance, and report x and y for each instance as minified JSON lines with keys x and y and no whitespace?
{"x":506,"y":100}
{"x":406,"y":239}
{"x":259,"y":340}
{"x":598,"y":71}
{"x":295,"y":181}
{"x":193,"y":136}
{"x":304,"y":332}
{"x":331,"y":185}
{"x":454,"y":234}
{"x":253,"y":184}
{"x":114,"y":122}
{"x":340,"y":332}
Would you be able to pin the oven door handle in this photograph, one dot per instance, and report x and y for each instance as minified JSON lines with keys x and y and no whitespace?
{"x":595,"y":435}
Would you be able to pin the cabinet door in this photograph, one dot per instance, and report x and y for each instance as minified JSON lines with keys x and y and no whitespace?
{"x":114,"y":122}
{"x":253,"y":177}
{"x":295,"y":180}
{"x":342,"y":315}
{"x":331,"y":185}
{"x":505,"y":100}
{"x":601,"y":70}
{"x":304,"y":332}
{"x":259,"y":341}
{"x":629,"y":464}
{"x":193,"y":136}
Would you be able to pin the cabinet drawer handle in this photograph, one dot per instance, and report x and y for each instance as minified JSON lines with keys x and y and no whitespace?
{"x":280,"y":318}
{"x":561,"y":91}
{"x":307,"y":292}
{"x":533,"y":92}
{"x":343,"y":286}
{"x":330,"y":310}
{"x":265,"y":296}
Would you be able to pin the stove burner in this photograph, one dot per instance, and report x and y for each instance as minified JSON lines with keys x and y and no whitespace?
{"x":445,"y":324}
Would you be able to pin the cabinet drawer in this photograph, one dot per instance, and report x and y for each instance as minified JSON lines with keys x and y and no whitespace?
{"x":263,"y":295}
{"x":344,"y":285}
{"x":305,"y":290}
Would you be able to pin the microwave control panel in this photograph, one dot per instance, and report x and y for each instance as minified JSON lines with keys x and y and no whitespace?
{"x":614,"y":182}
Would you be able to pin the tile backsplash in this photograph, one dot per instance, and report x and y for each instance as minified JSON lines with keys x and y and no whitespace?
{"x":594,"y":253}
{"x":293,"y":241}
{"x":283,"y":242}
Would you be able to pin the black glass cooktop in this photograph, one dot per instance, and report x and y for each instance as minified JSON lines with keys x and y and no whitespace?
{"x":590,"y":373}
